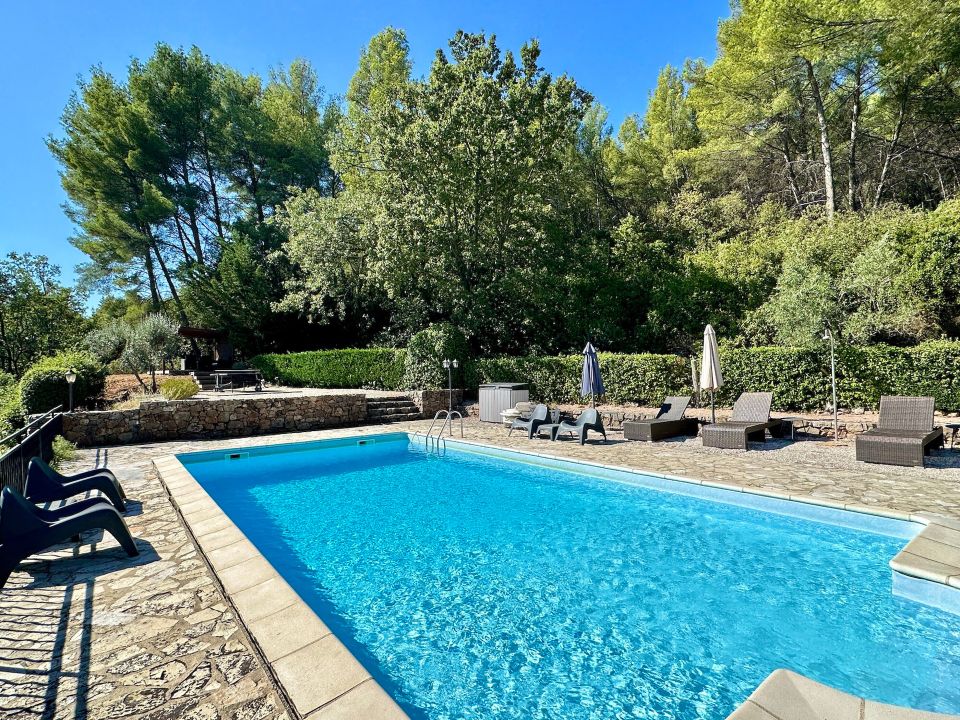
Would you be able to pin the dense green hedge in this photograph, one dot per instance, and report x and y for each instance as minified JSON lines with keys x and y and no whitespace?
{"x":376,"y":368}
{"x":642,"y":379}
{"x":798,"y":378}
{"x":44,"y":385}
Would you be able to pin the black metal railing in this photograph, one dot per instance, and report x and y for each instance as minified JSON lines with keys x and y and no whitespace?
{"x":35,"y":439}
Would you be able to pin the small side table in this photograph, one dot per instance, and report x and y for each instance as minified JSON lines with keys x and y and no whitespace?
{"x":789,"y":423}
{"x":953,"y":428}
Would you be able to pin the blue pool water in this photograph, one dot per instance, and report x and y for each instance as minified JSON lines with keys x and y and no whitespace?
{"x":474,"y":586}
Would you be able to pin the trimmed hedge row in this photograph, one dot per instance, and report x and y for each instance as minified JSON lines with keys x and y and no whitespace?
{"x":643,"y":379}
{"x":799,"y":378}
{"x":376,"y":368}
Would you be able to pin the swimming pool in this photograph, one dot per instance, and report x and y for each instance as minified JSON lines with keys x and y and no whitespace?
{"x":473,"y":585}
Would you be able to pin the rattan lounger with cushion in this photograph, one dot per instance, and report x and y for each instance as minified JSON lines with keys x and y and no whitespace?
{"x":26,"y":529}
{"x":904,"y":434}
{"x":589,"y":420}
{"x":668,"y":423}
{"x":539,"y":416}
{"x":750,"y":421}
{"x":44,"y":484}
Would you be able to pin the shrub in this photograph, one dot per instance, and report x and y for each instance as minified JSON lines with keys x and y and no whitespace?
{"x":425,"y":355}
{"x":44,"y":385}
{"x":376,"y":368}
{"x":63,"y":451}
{"x":11,"y":409}
{"x":178,"y":388}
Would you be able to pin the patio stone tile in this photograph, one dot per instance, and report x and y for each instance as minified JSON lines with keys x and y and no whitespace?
{"x":789,"y":696}
{"x":366,"y":700}
{"x":246,"y":574}
{"x":751,"y":711}
{"x":232,"y":554}
{"x":220,"y":538}
{"x":287,"y":630}
{"x":215,"y":523}
{"x":921,"y":567}
{"x":932,"y":550}
{"x":318,"y":673}
{"x":201,"y":514}
{"x":264,"y":599}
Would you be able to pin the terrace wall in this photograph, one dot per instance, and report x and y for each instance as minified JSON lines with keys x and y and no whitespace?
{"x":228,"y":417}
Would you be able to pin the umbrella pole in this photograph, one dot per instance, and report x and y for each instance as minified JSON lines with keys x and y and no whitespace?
{"x":713,"y":411}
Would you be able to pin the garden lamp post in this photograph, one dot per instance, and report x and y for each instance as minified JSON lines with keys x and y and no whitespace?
{"x":71,"y":377}
{"x":450,"y":365}
{"x":828,"y":336}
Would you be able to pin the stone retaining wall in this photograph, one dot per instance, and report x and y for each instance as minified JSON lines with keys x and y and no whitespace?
{"x":430,"y":401}
{"x":188,"y":419}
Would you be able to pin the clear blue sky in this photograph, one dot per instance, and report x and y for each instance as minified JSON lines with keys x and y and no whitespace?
{"x":613,"y":49}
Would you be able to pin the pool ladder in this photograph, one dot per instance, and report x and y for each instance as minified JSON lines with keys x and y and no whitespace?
{"x":433,"y":442}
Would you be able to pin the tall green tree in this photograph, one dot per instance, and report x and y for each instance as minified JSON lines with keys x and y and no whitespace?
{"x":38,"y":315}
{"x":460,"y":216}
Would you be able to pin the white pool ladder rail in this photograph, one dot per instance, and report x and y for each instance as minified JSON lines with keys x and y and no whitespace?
{"x":434,"y":441}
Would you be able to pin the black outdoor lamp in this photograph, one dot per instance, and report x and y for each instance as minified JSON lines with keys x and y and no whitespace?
{"x":71,"y":379}
{"x":450,"y":365}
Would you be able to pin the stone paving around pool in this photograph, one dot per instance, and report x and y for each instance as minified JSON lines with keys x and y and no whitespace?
{"x":90,"y":633}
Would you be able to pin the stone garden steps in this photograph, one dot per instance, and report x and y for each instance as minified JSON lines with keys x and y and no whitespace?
{"x":392,"y":409}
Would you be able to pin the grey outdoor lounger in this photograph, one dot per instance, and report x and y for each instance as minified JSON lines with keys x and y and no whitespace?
{"x":539,"y":416}
{"x":589,"y":420}
{"x":668,"y":423}
{"x":44,"y":484}
{"x":904,"y":434}
{"x":750,"y":421}
{"x":25,"y":529}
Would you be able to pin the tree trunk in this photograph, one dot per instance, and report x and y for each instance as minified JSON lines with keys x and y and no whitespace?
{"x":791,"y":174}
{"x":152,"y":278}
{"x":889,"y":153}
{"x":173,"y":288}
{"x":829,"y":201}
{"x":192,"y":217}
{"x":217,"y":219}
{"x":852,"y":181}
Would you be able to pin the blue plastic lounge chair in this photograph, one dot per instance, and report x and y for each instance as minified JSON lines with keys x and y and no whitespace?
{"x":589,"y":420}
{"x":539,"y":416}
{"x":44,"y":484}
{"x":26,"y":529}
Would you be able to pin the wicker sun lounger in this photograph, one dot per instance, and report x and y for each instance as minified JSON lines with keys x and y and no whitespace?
{"x":589,"y":420}
{"x":539,"y":416}
{"x":668,"y":423}
{"x":26,"y":529}
{"x":750,"y":421}
{"x":44,"y":484}
{"x":904,"y":434}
